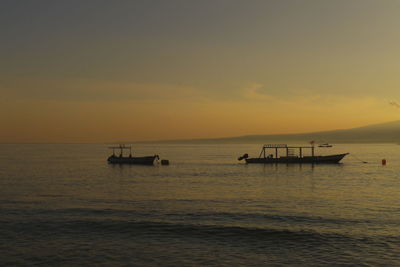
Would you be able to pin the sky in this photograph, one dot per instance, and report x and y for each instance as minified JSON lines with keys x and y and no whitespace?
{"x":109,"y":71}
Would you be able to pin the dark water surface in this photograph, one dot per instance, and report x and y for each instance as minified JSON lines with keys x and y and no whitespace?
{"x":64,"y":205}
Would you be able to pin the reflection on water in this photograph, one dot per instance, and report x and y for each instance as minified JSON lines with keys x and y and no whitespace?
{"x":63,"y":204}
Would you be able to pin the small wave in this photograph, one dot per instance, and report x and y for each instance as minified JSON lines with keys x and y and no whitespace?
{"x":167,"y":229}
{"x":154,"y":227}
{"x":187,"y":237}
{"x":197,"y":216}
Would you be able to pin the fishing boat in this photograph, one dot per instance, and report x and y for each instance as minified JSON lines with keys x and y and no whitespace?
{"x":121,"y":159}
{"x":325,"y":145}
{"x":291,"y":156}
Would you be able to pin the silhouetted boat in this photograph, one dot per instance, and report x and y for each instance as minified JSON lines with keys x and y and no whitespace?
{"x":325,"y":145}
{"x":290,"y":155}
{"x":121,"y":159}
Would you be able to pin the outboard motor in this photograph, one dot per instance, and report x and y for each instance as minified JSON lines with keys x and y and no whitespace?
{"x":245,"y":156}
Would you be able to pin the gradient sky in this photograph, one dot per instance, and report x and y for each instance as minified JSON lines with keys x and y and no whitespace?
{"x":104,"y":71}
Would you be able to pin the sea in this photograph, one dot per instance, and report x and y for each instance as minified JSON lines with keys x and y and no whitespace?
{"x":64,"y":205}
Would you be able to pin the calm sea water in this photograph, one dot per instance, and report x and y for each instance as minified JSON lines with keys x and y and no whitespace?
{"x":64,"y":205}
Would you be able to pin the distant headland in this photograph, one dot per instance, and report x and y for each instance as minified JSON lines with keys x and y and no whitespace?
{"x":388,"y":132}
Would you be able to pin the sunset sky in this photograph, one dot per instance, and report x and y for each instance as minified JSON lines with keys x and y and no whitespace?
{"x":104,"y":71}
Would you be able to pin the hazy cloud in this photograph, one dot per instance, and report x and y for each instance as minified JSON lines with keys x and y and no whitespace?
{"x":256,"y":91}
{"x":97,"y":90}
{"x":394,"y":104}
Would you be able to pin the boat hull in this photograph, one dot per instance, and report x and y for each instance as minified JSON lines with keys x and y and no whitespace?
{"x":149,"y":160}
{"x":331,"y":159}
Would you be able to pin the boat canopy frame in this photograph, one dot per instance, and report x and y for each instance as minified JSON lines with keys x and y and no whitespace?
{"x":121,"y":147}
{"x":289,"y":150}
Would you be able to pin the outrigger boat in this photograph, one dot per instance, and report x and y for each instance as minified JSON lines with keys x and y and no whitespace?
{"x":291,"y":157}
{"x":121,"y":159}
{"x":325,"y":145}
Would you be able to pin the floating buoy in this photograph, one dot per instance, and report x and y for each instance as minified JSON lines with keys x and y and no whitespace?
{"x":384,"y":162}
{"x":164,"y":162}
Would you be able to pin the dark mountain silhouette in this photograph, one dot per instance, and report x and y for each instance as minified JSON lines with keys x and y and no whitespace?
{"x":378,"y":133}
